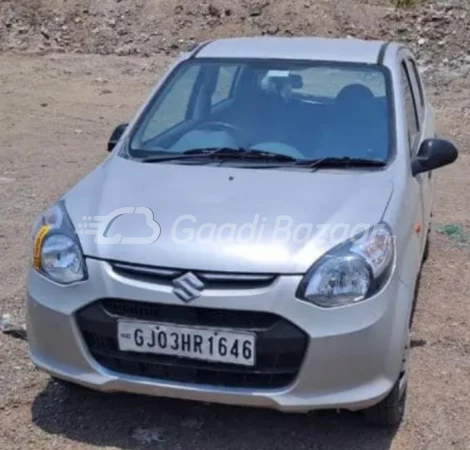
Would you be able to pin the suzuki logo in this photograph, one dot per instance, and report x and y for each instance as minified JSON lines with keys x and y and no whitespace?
{"x":188,"y":287}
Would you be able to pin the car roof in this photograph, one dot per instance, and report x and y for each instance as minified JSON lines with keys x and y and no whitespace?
{"x":299,"y":48}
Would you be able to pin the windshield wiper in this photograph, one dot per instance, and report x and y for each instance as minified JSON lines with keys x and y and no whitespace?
{"x":344,"y":161}
{"x":222,"y":152}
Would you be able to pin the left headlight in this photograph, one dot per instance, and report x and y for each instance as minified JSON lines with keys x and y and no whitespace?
{"x":56,"y":250}
{"x":351,"y":272}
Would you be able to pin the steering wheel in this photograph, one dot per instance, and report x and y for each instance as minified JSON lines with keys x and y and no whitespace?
{"x":232,"y":129}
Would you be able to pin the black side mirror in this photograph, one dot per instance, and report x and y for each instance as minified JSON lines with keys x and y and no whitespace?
{"x":432,"y":154}
{"x":117,"y":133}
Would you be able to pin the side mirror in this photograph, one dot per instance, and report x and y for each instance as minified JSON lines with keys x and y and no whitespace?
{"x":117,"y":133}
{"x":432,"y":154}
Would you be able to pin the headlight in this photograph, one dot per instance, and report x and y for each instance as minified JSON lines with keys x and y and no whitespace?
{"x":352,"y":271}
{"x":56,"y":250}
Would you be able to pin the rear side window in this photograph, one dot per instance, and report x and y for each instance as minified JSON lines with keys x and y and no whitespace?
{"x":415,"y":74}
{"x":410,"y":107}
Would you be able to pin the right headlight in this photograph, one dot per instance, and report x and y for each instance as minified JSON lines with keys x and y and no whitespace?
{"x":352,"y":271}
{"x":56,"y":250}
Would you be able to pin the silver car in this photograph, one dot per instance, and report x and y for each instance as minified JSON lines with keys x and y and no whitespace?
{"x":254,"y":237}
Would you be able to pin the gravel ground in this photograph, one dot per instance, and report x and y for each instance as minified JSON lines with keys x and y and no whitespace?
{"x":56,"y":113}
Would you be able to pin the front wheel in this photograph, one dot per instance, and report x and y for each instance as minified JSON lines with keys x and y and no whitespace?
{"x":426,"y":249}
{"x":390,"y":411}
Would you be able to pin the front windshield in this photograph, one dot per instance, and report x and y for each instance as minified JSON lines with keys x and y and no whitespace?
{"x":305,"y":110}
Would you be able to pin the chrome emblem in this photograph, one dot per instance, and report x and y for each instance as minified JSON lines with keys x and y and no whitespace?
{"x":188,"y":287}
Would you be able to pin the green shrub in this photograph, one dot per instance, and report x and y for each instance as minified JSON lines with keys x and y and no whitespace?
{"x":406,"y":3}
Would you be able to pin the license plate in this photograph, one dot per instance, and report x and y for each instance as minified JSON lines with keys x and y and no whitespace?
{"x":188,"y":342}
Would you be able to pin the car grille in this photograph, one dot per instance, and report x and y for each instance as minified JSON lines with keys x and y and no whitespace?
{"x":211,"y":280}
{"x":280,"y":345}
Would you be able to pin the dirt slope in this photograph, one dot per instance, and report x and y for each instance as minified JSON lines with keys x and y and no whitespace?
{"x":146,"y":27}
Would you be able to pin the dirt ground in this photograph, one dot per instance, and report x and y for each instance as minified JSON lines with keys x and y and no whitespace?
{"x":56,"y":113}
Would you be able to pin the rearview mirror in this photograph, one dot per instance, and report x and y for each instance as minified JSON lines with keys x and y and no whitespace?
{"x":117,"y":133}
{"x":296,"y":81}
{"x":432,"y":154}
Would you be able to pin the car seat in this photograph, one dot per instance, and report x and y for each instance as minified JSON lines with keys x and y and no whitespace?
{"x":357,"y":128}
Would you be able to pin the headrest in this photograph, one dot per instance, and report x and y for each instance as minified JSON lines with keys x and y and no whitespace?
{"x":355,"y":93}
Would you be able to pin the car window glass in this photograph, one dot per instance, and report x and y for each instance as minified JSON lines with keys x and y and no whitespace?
{"x":292,"y":107}
{"x":417,"y":77}
{"x":411,"y":111}
{"x":329,"y":81}
{"x":225,"y":81}
{"x":173,"y":107}
{"x":417,"y":87}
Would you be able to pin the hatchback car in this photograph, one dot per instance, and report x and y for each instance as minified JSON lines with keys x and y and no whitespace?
{"x":255,"y":235}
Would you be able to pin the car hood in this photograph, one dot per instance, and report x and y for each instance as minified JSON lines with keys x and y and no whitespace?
{"x":221,"y":218}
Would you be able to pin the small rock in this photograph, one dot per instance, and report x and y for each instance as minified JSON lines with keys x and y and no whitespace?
{"x":421,"y":41}
{"x":106,"y":91}
{"x":64,"y":27}
{"x":213,"y":10}
{"x":8,"y":326}
{"x":120,"y":51}
{"x":45,"y":33}
{"x":6,"y":323}
{"x":77,"y":20}
{"x":44,"y":105}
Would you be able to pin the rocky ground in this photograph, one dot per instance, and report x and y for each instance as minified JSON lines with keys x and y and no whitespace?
{"x":437,"y":30}
{"x":58,"y":104}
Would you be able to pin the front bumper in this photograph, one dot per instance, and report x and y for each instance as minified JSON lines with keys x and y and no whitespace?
{"x":352,"y":360}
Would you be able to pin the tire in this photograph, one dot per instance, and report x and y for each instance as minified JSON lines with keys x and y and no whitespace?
{"x":426,"y":249}
{"x":415,"y":299}
{"x":390,"y":411}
